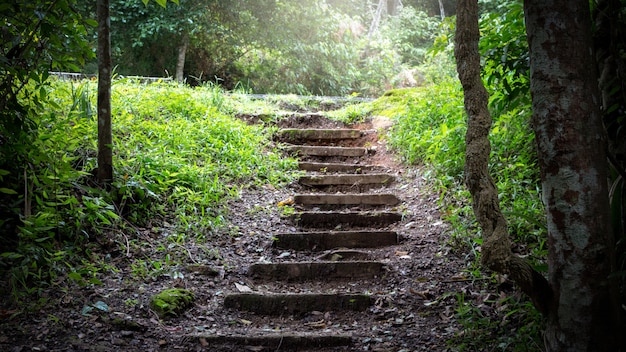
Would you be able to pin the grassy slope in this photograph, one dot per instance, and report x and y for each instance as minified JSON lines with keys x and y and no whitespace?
{"x":430,"y":130}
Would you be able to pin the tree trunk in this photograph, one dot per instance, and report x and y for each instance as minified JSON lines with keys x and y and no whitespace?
{"x":105,"y":139}
{"x":393,"y":7}
{"x":496,"y":250}
{"x":382,"y":5}
{"x":180,"y":64}
{"x":442,"y":11}
{"x":583,"y":315}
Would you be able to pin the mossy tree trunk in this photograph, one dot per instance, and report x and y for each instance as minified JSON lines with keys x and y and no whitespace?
{"x":577,"y":299}
{"x":567,"y":120}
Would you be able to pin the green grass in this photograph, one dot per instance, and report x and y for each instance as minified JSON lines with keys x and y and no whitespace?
{"x":430,"y":131}
{"x":179,"y":155}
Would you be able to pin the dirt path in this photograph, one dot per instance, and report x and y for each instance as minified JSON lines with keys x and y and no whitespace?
{"x":366,"y":272}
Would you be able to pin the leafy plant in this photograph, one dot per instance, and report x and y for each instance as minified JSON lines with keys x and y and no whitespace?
{"x":179,"y":159}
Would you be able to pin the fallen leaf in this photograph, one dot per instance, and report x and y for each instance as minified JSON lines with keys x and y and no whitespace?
{"x":401,"y":253}
{"x":422,"y":294}
{"x":288,"y":201}
{"x":316,"y":324}
{"x":101,"y":306}
{"x":204,"y":342}
{"x":245,"y":322}
{"x":458,"y":277}
{"x":242,"y":288}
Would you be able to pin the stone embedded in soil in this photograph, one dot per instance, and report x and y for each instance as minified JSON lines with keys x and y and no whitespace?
{"x":295,"y":134}
{"x":296,"y":303}
{"x":320,"y":241}
{"x":346,"y":179}
{"x":327,"y":151}
{"x":336,"y":167}
{"x":346,"y":199}
{"x":274,"y":341}
{"x":333,"y":219}
{"x":323,"y":270}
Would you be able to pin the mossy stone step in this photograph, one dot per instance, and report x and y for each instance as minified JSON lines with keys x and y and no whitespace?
{"x":347,"y":199}
{"x":346,"y":179}
{"x":296,"y":134}
{"x":264,"y":341}
{"x":331,"y":219}
{"x":336,"y":167}
{"x":306,"y":150}
{"x":316,"y":270}
{"x":296,"y":303}
{"x":321,"y":241}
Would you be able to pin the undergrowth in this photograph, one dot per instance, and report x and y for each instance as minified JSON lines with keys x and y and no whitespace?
{"x":430,"y":130}
{"x":179,"y":155}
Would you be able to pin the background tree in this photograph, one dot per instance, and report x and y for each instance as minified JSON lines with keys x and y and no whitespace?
{"x":578,"y":298}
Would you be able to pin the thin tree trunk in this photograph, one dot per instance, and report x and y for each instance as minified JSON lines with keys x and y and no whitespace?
{"x":105,"y":139}
{"x":376,"y":19}
{"x":180,"y":64}
{"x":393,"y":7}
{"x":496,"y":250}
{"x":571,"y":147}
{"x":442,"y":10}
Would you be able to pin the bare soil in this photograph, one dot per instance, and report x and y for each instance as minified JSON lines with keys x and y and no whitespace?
{"x":414,"y":306}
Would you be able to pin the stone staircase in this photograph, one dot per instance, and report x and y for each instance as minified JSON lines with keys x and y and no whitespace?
{"x":344,"y":212}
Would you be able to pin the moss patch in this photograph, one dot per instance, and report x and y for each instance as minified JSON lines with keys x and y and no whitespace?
{"x":171,"y":302}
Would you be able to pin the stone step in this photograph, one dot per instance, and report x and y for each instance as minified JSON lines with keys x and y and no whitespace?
{"x":331,"y":219}
{"x":346,"y":199}
{"x":316,"y":270}
{"x":336,"y":167}
{"x":321,"y":241}
{"x":296,"y":134}
{"x":296,"y":303}
{"x":346,"y":179}
{"x":305,"y":150}
{"x":261,"y":340}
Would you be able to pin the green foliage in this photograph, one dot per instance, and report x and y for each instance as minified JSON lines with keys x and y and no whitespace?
{"x":430,"y":129}
{"x":37,"y":37}
{"x":518,"y":330}
{"x":178,"y":158}
{"x":313,"y":47}
{"x":412,"y":33}
{"x":503,"y":46}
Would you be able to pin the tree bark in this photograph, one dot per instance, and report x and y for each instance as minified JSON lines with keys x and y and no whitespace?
{"x":496,"y":250}
{"x":393,"y":7}
{"x":583,"y":315}
{"x":180,"y":64}
{"x":105,"y":139}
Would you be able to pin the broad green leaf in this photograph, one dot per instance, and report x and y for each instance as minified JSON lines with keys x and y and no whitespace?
{"x":101,"y":306}
{"x":7,"y":191}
